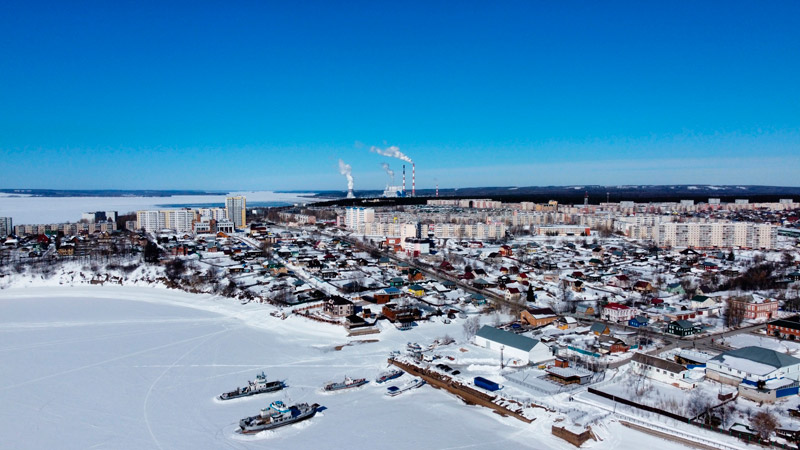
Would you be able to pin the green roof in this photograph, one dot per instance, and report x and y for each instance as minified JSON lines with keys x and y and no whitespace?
{"x":760,"y":355}
{"x":506,"y":338}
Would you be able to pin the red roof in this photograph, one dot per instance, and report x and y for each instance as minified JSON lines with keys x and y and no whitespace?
{"x":616,"y":306}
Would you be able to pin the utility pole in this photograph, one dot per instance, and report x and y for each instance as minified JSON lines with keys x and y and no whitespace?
{"x":502,"y":366}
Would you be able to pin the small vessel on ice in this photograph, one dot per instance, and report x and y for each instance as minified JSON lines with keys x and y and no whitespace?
{"x":346,"y":384}
{"x":386,"y":376}
{"x":393,"y":391}
{"x":259,"y":386}
{"x":277,"y":415}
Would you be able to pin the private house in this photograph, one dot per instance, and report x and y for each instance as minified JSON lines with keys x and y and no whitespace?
{"x":660,"y":370}
{"x":477,"y":299}
{"x":761,"y":374}
{"x":397,"y":313}
{"x":538,"y":317}
{"x":338,"y":307}
{"x":610,"y":344}
{"x":512,"y":294}
{"x":702,"y":301}
{"x":416,"y":290}
{"x":566,"y":323}
{"x":639,"y":321}
{"x":386,"y":295}
{"x":513,"y":346}
{"x":415,"y":275}
{"x":616,"y":312}
{"x":621,"y":281}
{"x":599,"y":329}
{"x":585,"y":311}
{"x":682,"y":328}
{"x":643,"y":287}
{"x":675,"y":288}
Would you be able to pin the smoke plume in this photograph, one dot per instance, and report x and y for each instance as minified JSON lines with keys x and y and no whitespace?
{"x":392,"y":152}
{"x":346,"y":170}
{"x":388,"y":170}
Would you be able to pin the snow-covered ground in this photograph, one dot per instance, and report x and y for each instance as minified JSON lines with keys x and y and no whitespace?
{"x":33,"y":210}
{"x":745,"y":340}
{"x":139,"y":367}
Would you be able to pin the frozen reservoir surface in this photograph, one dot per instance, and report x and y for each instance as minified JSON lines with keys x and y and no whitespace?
{"x":139,"y":368}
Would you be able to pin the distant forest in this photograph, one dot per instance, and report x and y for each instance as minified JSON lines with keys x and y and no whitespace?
{"x":105,"y":192}
{"x":597,"y":194}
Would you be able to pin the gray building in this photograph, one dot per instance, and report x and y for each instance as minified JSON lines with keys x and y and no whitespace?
{"x":6,"y":226}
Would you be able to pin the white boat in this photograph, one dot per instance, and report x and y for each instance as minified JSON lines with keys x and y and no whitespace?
{"x":393,"y":391}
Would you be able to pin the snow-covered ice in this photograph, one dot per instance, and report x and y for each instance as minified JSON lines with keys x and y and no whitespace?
{"x":139,"y":367}
{"x":34,"y":210}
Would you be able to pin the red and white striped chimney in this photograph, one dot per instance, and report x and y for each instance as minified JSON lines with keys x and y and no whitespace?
{"x":413,"y":180}
{"x":404,"y":178}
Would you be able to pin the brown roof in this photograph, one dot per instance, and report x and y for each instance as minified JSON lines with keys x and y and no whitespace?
{"x":658,"y":363}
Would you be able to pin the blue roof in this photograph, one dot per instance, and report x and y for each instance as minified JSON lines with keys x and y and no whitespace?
{"x":391,"y":290}
{"x":507,"y":338}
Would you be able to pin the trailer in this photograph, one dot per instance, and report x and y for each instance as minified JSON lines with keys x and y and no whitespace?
{"x":489,"y":385}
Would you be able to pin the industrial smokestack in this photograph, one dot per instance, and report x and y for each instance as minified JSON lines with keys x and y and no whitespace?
{"x":404,"y":178}
{"x":413,"y":180}
{"x":346,"y":170}
{"x":437,"y":190}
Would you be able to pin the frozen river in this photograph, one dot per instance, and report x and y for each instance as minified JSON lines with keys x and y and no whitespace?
{"x":139,"y":368}
{"x":35,"y":210}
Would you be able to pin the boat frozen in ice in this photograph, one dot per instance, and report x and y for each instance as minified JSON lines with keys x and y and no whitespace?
{"x":393,"y":391}
{"x":259,"y":386}
{"x":277,"y":415}
{"x":386,"y":376}
{"x":348,"y":383}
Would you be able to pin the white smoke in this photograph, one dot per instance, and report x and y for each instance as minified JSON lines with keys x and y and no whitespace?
{"x":346,"y":170}
{"x":388,"y":170}
{"x":392,"y":152}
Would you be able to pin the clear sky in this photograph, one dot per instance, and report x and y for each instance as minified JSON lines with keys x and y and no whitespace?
{"x":263,"y":95}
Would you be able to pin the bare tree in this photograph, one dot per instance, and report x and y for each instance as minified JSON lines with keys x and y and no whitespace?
{"x":734,"y":311}
{"x":764,"y":424}
{"x":471,"y":327}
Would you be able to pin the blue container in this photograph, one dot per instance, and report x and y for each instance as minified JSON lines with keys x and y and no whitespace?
{"x":489,"y":385}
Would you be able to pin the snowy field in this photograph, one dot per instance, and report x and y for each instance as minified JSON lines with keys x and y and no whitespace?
{"x":139,"y":368}
{"x":33,"y":210}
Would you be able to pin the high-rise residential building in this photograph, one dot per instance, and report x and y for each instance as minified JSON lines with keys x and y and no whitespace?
{"x":179,"y":220}
{"x":6,"y":226}
{"x":213,"y":213}
{"x":99,"y":216}
{"x":152,"y":220}
{"x":237,"y":211}
{"x":355,"y":216}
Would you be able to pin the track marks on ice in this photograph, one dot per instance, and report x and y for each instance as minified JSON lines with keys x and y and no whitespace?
{"x":203,"y":340}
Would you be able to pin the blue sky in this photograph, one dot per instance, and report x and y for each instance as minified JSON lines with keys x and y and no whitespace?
{"x":261,"y":95}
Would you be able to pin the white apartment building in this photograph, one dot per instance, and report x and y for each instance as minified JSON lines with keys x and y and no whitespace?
{"x":705,"y":235}
{"x":213,"y":213}
{"x":355,"y":216}
{"x":389,"y":229}
{"x":179,"y":220}
{"x":150,"y":221}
